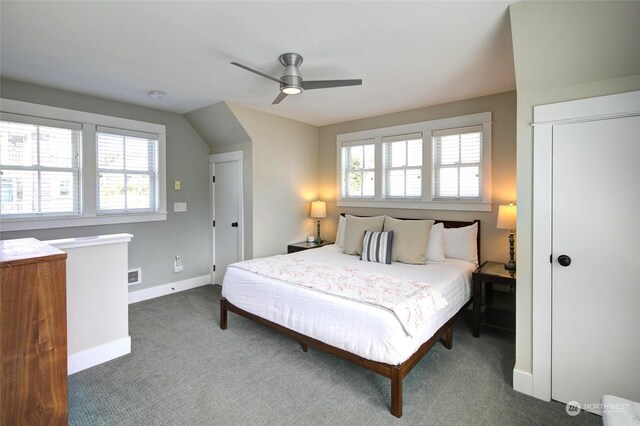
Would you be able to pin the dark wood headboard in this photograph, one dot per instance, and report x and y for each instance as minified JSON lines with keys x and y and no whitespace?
{"x":446,"y":223}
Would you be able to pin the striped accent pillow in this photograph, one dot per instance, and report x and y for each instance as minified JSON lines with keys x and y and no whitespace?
{"x":376,"y":246}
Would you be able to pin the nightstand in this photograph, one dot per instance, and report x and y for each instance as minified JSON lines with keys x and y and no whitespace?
{"x":499,"y":304}
{"x":292,"y":248}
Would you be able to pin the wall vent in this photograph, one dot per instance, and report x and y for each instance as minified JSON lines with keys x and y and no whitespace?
{"x":135,"y":276}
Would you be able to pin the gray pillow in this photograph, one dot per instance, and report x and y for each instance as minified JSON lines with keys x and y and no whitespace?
{"x":354,"y":232}
{"x":410,"y":239}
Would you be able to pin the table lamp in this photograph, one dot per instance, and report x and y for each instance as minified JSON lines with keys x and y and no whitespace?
{"x":318,"y":211}
{"x":507,"y":220}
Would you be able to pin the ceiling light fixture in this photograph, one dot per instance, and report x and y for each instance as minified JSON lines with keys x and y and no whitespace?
{"x":292,"y":90}
{"x":157,"y":94}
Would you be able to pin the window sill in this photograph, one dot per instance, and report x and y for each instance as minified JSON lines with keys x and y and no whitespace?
{"x":9,"y":225}
{"x":478,"y":206}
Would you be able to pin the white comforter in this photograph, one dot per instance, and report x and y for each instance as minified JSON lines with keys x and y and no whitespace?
{"x":362,"y":329}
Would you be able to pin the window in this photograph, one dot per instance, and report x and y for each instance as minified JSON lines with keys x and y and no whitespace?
{"x":127,"y":171}
{"x":64,"y":168}
{"x":358,"y":165}
{"x":402,"y":166}
{"x":457,"y":163}
{"x":442,"y":164}
{"x":36,"y":162}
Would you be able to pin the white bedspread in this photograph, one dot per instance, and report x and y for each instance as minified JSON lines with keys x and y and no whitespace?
{"x":358,"y":328}
{"x":411,"y":302}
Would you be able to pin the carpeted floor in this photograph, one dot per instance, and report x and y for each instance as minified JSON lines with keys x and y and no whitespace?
{"x":184,"y":370}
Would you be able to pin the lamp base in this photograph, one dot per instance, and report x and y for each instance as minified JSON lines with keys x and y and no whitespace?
{"x":318,"y":240}
{"x":511,"y":264}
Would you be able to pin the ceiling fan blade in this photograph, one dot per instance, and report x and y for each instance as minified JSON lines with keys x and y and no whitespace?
{"x":277,"y":80}
{"x":326,"y":84}
{"x":279,"y":98}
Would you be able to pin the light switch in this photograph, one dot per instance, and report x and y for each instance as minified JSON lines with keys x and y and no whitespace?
{"x":179,"y":207}
{"x":176,"y":185}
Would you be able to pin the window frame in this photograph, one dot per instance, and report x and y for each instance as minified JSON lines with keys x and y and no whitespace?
{"x":346,"y":170}
{"x":387,"y":167}
{"x":436,"y":166}
{"x":75,"y":169}
{"x":88,"y":177}
{"x":426,"y":201}
{"x":152,"y":171}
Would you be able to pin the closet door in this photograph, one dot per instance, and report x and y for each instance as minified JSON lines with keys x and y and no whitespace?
{"x":596,"y":260}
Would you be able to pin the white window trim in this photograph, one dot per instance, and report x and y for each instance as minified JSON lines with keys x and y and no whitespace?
{"x":89,"y":123}
{"x":426,"y":128}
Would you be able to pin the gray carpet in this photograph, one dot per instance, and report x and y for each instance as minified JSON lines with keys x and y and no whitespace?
{"x":184,"y":370}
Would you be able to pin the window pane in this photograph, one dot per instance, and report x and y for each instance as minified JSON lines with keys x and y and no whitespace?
{"x":469,"y":182}
{"x":396,"y":183}
{"x":357,"y":157}
{"x":56,"y":195}
{"x":138,"y":192}
{"x":449,"y":149}
{"x":137,"y":154}
{"x":19,"y":192}
{"x":57,"y":147}
{"x":369,"y":156}
{"x":448,"y":182}
{"x":398,"y":154}
{"x":110,"y":151}
{"x":368,"y":184}
{"x":470,"y":147}
{"x":18,"y":144}
{"x":354,"y":184}
{"x":111,"y":190}
{"x":414,"y":152}
{"x":414,"y":183}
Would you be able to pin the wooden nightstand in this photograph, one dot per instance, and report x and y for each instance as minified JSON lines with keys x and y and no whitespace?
{"x":292,"y":248}
{"x":499,"y":306}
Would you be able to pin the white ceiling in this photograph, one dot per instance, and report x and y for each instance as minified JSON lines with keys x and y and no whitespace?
{"x":409,"y":54}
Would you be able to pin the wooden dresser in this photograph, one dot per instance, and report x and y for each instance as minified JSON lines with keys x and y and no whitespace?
{"x":33,"y":333}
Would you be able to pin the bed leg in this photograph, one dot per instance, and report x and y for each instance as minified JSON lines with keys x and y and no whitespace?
{"x":396,"y":392}
{"x":448,"y":337}
{"x":305,"y":347}
{"x":223,"y":313}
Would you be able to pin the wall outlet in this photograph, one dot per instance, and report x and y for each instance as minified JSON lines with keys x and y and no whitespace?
{"x":177,"y":264}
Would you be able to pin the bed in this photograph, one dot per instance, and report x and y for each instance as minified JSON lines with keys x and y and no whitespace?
{"x":358,"y":332}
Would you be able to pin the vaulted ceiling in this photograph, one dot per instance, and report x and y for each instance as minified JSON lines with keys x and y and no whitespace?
{"x":409,"y":54}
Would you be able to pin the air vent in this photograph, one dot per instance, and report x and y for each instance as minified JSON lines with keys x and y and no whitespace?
{"x":135,"y":276}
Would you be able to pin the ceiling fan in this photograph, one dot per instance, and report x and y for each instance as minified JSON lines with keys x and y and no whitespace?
{"x":291,"y":82}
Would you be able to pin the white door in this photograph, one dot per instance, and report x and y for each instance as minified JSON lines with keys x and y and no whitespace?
{"x":227,"y":214}
{"x":596,"y":298}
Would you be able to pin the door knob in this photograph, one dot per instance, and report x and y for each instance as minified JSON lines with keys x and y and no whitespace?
{"x":234,"y":224}
{"x":564,"y":260}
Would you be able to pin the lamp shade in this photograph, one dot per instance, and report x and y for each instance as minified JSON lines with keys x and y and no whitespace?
{"x":318,"y":210}
{"x":507,"y":216}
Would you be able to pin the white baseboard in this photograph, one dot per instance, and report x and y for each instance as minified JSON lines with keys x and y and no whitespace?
{"x":97,"y":355}
{"x":523,"y":382}
{"x":165,"y":289}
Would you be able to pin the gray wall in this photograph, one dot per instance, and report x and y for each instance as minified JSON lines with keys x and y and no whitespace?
{"x":155,"y":243}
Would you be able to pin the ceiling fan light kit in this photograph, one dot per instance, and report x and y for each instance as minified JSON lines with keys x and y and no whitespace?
{"x":291,"y":82}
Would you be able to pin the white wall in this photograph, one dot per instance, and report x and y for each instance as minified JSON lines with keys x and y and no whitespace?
{"x":562,"y":51}
{"x":285,"y":176}
{"x":97,"y":299}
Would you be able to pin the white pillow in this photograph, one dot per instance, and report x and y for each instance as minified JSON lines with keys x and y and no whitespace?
{"x":435,"y":247}
{"x":342,"y":223}
{"x":460,"y":243}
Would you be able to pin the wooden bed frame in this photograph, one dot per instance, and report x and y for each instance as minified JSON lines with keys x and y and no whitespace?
{"x":394,"y":372}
